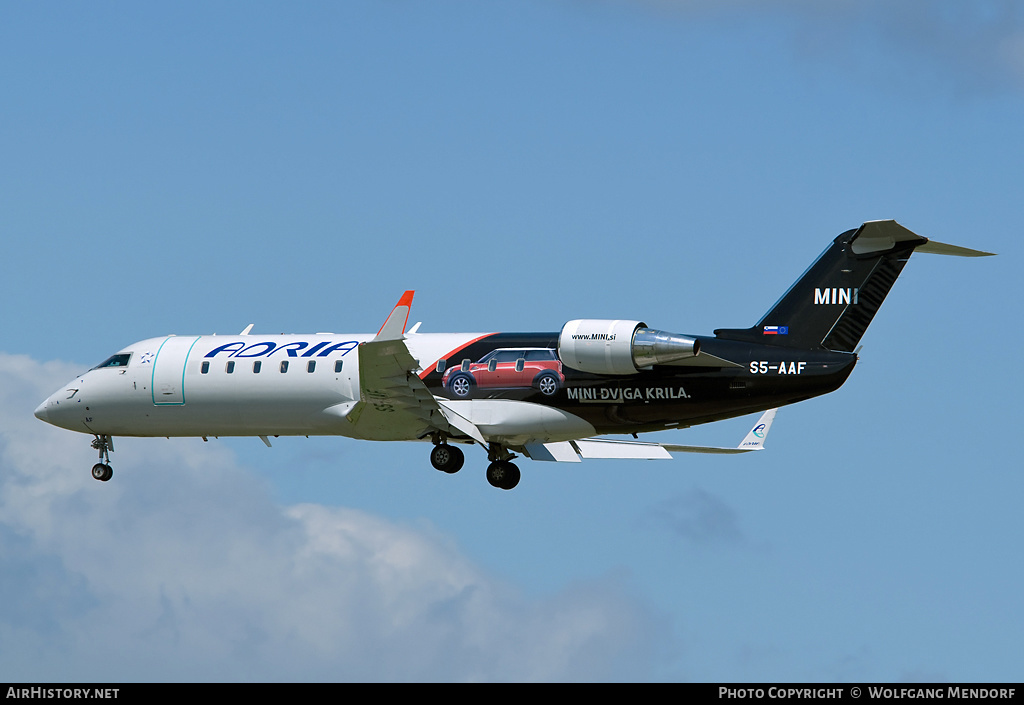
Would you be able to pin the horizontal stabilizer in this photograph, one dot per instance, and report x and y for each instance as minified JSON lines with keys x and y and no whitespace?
{"x":882,"y":235}
{"x":941,"y":248}
{"x":877,"y":236}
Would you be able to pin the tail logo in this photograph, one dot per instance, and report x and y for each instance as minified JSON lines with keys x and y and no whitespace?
{"x":835,"y":295}
{"x":759,"y":430}
{"x":776,"y":330}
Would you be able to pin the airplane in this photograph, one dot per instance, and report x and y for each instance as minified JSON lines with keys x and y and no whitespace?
{"x":545,"y":396}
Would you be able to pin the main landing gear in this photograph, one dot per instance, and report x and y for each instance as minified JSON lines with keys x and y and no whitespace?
{"x":447,"y":458}
{"x":102,"y":471}
{"x":501,"y":473}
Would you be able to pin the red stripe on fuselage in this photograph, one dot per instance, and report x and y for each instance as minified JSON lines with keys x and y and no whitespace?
{"x":433,"y":366}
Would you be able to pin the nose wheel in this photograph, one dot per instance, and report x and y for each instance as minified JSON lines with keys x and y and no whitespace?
{"x":102,"y":471}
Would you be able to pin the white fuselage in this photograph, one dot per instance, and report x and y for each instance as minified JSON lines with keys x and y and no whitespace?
{"x":268,"y":386}
{"x":225,"y":386}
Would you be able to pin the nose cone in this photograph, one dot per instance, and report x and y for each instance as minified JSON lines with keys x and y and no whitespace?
{"x":40,"y":411}
{"x":64,"y":408}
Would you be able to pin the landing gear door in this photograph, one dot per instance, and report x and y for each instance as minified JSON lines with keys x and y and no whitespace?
{"x":169,"y":370}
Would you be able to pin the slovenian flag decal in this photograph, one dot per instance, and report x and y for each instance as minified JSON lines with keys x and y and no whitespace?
{"x":776,"y":330}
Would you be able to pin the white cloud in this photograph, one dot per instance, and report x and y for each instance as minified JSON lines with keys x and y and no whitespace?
{"x":183,"y":568}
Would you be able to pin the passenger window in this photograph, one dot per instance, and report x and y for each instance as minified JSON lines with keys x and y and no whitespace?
{"x":520,"y":364}
{"x":256,"y":366}
{"x":311,"y":365}
{"x":465,"y":364}
{"x":205,"y":367}
{"x":441,"y":364}
{"x":337,"y":365}
{"x":230,"y":367}
{"x":284,"y":365}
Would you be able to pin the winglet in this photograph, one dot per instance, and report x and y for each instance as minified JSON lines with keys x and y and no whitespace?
{"x":755,"y":439}
{"x":394,"y":326}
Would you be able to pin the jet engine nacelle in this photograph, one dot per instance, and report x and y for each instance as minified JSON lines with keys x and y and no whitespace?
{"x":606,"y":347}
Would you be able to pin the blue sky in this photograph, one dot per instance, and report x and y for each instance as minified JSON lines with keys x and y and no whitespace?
{"x":196,"y":168}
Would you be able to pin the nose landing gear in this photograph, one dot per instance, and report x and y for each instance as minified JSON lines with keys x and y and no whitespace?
{"x":102,"y":471}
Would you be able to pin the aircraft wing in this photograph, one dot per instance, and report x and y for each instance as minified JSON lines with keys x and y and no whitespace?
{"x":394,"y":403}
{"x":575,"y":451}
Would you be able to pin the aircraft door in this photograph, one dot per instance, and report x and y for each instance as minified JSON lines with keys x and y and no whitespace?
{"x":169,"y":370}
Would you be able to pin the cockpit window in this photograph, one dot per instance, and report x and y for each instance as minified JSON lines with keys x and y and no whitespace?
{"x":119,"y":360}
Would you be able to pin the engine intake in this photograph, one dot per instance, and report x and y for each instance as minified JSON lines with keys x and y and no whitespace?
{"x":607,"y":347}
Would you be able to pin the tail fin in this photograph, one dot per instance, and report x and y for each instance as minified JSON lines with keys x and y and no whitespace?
{"x":831,"y":305}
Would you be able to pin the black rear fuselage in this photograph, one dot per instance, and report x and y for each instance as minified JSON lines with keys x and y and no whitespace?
{"x":754,"y":378}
